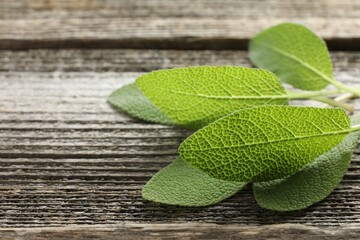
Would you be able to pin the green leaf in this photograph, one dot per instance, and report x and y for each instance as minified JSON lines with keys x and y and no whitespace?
{"x":180,"y":184}
{"x":313,"y":183}
{"x":196,"y":96}
{"x":295,"y":54}
{"x":131,"y":100}
{"x":265,"y":143}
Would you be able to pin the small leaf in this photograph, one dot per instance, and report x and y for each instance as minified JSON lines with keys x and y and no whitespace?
{"x":313,"y":183}
{"x":180,"y":184}
{"x":196,"y":96}
{"x":295,"y":54}
{"x":265,"y":143}
{"x":131,"y":100}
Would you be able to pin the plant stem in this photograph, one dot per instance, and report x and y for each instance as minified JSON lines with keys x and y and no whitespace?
{"x":355,"y":128}
{"x":307,"y":95}
{"x":334,"y":103}
{"x":345,"y":88}
{"x":319,"y":96}
{"x":344,"y":97}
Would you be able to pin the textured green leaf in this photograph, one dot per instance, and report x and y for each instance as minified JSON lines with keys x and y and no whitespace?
{"x":131,"y":100}
{"x":195,"y":96}
{"x":294,"y":53}
{"x":180,"y":184}
{"x":265,"y":143}
{"x":313,"y":183}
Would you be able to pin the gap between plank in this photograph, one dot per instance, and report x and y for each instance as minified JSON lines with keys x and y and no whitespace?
{"x":177,"y":43}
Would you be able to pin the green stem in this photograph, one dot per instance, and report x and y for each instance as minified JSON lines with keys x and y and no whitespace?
{"x":355,"y":128}
{"x":319,"y":96}
{"x":345,"y":88}
{"x":344,"y":97}
{"x":307,"y":95}
{"x":334,"y":103}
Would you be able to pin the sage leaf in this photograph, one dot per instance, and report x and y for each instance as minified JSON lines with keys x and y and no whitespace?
{"x":265,"y":143}
{"x":182,"y":185}
{"x":196,"y":96}
{"x":295,"y":54}
{"x":313,"y":183}
{"x":131,"y":100}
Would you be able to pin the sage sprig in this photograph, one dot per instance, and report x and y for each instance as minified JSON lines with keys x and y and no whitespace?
{"x":293,"y":156}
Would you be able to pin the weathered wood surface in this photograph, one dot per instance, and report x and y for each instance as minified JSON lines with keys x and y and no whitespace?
{"x":69,"y":162}
{"x":122,"y":60}
{"x":130,"y":231}
{"x":186,"y":24}
{"x":66,"y":157}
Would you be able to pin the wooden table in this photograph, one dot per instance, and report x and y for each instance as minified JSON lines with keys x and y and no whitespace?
{"x":72,"y":168}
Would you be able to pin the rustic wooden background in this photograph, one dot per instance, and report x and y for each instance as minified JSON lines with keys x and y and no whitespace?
{"x":72,"y":167}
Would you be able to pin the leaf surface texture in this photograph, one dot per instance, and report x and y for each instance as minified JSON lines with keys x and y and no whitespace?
{"x":265,"y":143}
{"x":295,"y":54}
{"x":313,"y":183}
{"x":196,"y":96}
{"x":131,"y":100}
{"x":180,"y":184}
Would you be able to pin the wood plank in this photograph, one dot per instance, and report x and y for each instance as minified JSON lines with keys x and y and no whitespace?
{"x":60,"y":9}
{"x":124,"y":60}
{"x":66,"y":157}
{"x":184,"y":24}
{"x":184,"y":231}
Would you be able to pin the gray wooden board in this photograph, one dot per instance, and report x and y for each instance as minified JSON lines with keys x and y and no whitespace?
{"x":186,"y":24}
{"x":60,"y":9}
{"x":73,"y":168}
{"x":66,"y":157}
{"x":205,"y":231}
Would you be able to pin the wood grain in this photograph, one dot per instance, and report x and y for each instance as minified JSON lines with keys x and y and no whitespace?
{"x":167,"y":24}
{"x":184,"y":231}
{"x":71,"y":167}
{"x":128,"y":61}
{"x":66,"y":157}
{"x":60,"y":9}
